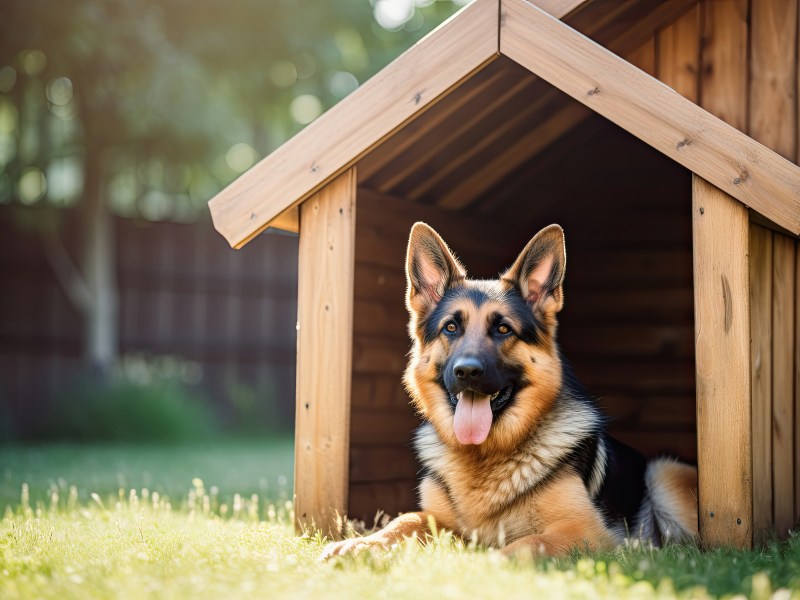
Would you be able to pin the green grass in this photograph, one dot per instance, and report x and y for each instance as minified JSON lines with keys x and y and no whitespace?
{"x":250,"y":466}
{"x":200,"y":545}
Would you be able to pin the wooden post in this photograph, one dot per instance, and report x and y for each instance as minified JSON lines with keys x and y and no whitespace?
{"x":720,"y":227}
{"x":324,"y":354}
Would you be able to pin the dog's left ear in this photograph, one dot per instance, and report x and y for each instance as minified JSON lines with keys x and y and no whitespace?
{"x":538,"y":272}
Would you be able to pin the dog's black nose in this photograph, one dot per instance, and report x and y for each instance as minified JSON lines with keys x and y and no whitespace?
{"x":468,"y":368}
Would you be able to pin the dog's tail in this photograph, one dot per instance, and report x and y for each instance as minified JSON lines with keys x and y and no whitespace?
{"x":672,"y":488}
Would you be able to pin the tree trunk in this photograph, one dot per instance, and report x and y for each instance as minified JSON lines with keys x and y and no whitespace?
{"x":99,"y":268}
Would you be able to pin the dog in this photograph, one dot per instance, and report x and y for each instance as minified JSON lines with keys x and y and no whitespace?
{"x":513,"y":449}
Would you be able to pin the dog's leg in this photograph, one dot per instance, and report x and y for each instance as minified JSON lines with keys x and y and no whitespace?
{"x":552,"y":543}
{"x":407,"y":525}
{"x":570,"y":520}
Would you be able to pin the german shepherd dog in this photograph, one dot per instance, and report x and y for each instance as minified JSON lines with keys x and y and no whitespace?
{"x":513,"y":450}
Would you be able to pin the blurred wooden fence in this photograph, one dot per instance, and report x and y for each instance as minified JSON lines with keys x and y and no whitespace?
{"x":182,"y":292}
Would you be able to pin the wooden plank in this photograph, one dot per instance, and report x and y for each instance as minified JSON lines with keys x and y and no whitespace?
{"x":761,"y":377}
{"x":288,"y":220}
{"x":382,"y":463}
{"x":797,"y":384}
{"x":379,"y":392}
{"x":655,"y":113}
{"x":413,"y":82}
{"x":521,"y":151}
{"x":783,"y":353}
{"x":678,"y":60}
{"x":389,"y":497}
{"x":324,"y":359}
{"x":488,"y":106}
{"x":773,"y":74}
{"x":646,"y":24}
{"x":382,"y":427}
{"x":724,"y":61}
{"x":644,"y":57}
{"x":720,"y":230}
{"x":378,"y":355}
{"x":440,"y":116}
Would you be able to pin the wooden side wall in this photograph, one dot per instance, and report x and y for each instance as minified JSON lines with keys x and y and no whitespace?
{"x":739,"y":60}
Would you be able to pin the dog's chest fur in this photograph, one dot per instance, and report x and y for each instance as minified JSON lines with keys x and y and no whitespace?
{"x":496,"y":495}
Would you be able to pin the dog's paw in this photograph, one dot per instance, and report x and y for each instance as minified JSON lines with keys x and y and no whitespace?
{"x":355,"y":545}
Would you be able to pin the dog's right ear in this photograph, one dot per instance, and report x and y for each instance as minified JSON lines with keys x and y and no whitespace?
{"x":431,"y":268}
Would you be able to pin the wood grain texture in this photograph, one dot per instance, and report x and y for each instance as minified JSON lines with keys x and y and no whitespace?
{"x":644,"y":57}
{"x":722,"y":335}
{"x":761,"y":377}
{"x":783,"y":355}
{"x":288,"y":220}
{"x":413,"y":82}
{"x":678,"y":60}
{"x":797,"y":384}
{"x":655,"y":113}
{"x":724,"y":60}
{"x":324,"y":354}
{"x":773,"y":75}
{"x":525,"y":149}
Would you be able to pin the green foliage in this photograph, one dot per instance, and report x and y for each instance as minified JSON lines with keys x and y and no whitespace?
{"x":170,"y":101}
{"x":123,"y":409}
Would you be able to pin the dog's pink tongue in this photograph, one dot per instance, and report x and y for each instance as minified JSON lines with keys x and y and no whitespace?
{"x":473,"y":418}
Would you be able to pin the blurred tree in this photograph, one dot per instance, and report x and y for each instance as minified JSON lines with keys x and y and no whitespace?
{"x":146,"y":108}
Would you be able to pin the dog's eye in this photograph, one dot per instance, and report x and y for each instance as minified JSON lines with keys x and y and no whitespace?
{"x":503,"y":329}
{"x":451,"y":327}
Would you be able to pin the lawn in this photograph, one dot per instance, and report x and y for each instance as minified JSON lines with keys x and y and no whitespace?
{"x":208,"y":541}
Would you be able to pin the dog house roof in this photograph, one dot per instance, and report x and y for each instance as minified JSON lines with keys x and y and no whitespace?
{"x":502,"y":68}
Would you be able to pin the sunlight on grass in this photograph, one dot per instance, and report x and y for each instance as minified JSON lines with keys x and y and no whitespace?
{"x":138,"y":543}
{"x":204,"y":526}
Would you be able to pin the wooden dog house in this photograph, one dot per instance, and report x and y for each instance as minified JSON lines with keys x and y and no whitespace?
{"x":663,"y":136}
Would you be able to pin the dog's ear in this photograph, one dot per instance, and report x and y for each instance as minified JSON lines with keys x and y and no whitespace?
{"x":538,"y":272}
{"x":431,"y":269}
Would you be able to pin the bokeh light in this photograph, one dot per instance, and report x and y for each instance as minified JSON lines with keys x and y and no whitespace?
{"x":305,"y":108}
{"x":240,"y":157}
{"x":343,"y":83}
{"x":283,"y":73}
{"x":33,"y":62}
{"x":393,"y":14}
{"x":59,"y":91}
{"x":32,"y":185}
{"x":8,"y":77}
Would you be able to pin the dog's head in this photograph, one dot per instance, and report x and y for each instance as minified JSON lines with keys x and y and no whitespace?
{"x":484,"y":367}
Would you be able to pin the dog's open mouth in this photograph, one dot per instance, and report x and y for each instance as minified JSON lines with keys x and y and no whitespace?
{"x":500,"y":398}
{"x":496,"y":401}
{"x":474,"y":413}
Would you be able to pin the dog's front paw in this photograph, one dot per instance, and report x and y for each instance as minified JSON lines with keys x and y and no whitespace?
{"x":355,"y":545}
